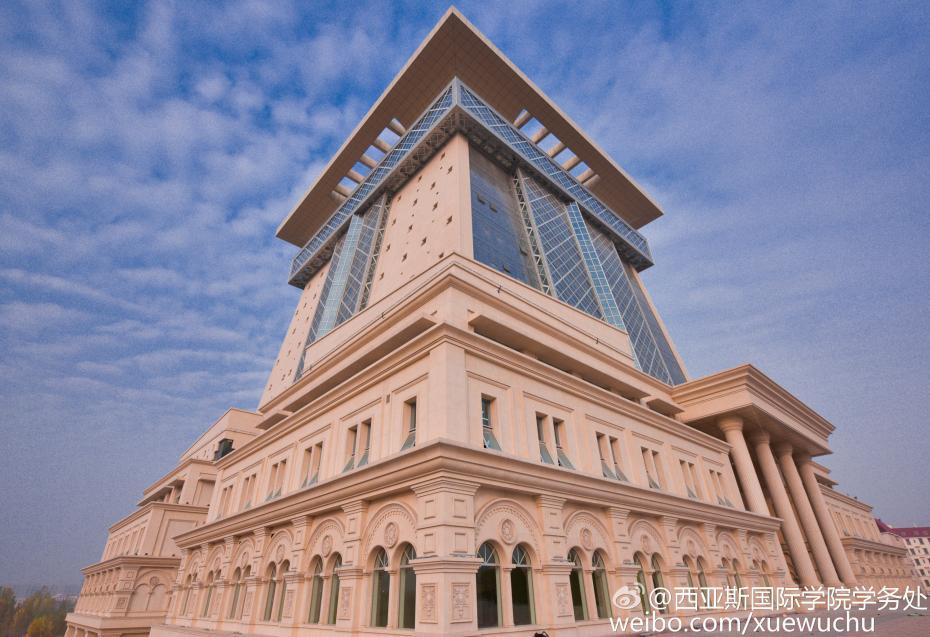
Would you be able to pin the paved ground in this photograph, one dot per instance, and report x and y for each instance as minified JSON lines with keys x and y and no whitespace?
{"x":886,"y":624}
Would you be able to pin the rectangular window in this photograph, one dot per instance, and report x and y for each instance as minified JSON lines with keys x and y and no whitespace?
{"x":410,"y":417}
{"x":248,"y":487}
{"x":364,"y":441}
{"x":351,"y":440}
{"x":312,"y":457}
{"x":544,"y":454}
{"x":487,"y":423}
{"x":276,"y":479}
{"x":615,"y":455}
{"x":650,"y":461}
{"x":603,"y":452}
{"x":716,"y":480}
{"x":558,"y":430}
{"x":687,"y":474}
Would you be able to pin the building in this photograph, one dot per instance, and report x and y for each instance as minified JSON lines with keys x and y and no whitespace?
{"x":916,"y":539}
{"x":477,"y":420}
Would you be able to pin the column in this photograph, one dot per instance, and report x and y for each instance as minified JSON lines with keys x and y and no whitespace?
{"x":732,"y":428}
{"x":806,"y":513}
{"x":830,"y":532}
{"x":789,"y":524}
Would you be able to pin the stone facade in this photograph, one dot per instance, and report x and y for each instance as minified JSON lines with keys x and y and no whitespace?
{"x":471,"y":439}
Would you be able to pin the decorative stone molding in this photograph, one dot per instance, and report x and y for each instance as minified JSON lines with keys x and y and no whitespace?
{"x":461,"y":602}
{"x":562,"y":597}
{"x":428,"y":603}
{"x":390,"y":534}
{"x":345,"y":603}
{"x":507,"y":531}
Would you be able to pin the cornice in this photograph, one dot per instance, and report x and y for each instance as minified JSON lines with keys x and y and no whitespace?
{"x":443,"y":459}
{"x":132,"y":561}
{"x":148,"y":507}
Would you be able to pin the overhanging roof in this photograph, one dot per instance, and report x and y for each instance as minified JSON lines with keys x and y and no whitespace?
{"x":455,"y":48}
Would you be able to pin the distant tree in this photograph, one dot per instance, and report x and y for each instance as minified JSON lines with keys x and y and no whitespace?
{"x":41,"y":627}
{"x":39,"y":605}
{"x":7,"y":610}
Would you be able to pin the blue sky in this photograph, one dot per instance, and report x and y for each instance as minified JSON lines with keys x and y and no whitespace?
{"x":148,"y":151}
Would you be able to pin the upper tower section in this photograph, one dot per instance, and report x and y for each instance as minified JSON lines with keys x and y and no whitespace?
{"x":463,"y":154}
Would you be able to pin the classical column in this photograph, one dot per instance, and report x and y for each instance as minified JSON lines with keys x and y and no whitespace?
{"x":789,"y":524}
{"x":732,"y":428}
{"x":785,"y":455}
{"x":830,"y":532}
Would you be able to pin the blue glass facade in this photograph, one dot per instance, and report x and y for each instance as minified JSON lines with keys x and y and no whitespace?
{"x":532,"y":221}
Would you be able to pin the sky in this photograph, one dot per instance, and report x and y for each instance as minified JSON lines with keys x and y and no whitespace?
{"x":149,"y":150}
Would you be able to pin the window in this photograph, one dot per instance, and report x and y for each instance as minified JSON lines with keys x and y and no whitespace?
{"x":276,"y":479}
{"x":358,"y":443}
{"x":351,"y":439}
{"x":410,"y":416}
{"x":717,"y":484}
{"x":487,"y":587}
{"x":313,"y":455}
{"x":576,"y":580}
{"x":558,"y":429}
{"x":316,"y":591}
{"x":407,"y":603}
{"x":269,"y":595}
{"x":334,"y":590}
{"x":544,"y":454}
{"x":689,"y":475}
{"x":603,"y":452}
{"x":205,"y":611}
{"x":601,"y":588}
{"x":615,"y":455}
{"x":282,"y":589}
{"x":487,"y":424}
{"x":248,"y":487}
{"x":235,"y":608}
{"x":658,"y":581}
{"x":651,"y":462}
{"x":364,"y":433}
{"x":380,"y":590}
{"x":521,"y":588}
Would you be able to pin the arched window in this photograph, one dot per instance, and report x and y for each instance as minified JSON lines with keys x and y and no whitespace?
{"x":285,"y":567}
{"x":187,"y":594}
{"x":237,"y":578}
{"x":334,"y":590}
{"x":576,"y":580}
{"x":407,"y":604}
{"x":521,"y":588}
{"x":764,"y":571}
{"x":270,"y":575}
{"x":316,"y":591}
{"x":380,"y":590}
{"x":601,"y":588}
{"x":205,"y":611}
{"x":641,"y":583}
{"x":658,"y":582}
{"x":487,"y":587}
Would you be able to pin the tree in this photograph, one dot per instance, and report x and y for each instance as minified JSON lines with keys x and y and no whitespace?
{"x":41,"y":627}
{"x":7,"y":610}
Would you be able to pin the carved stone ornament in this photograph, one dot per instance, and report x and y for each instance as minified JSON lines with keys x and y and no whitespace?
{"x":692,"y":548}
{"x":153,"y":582}
{"x":561,"y":597}
{"x":428,"y":603}
{"x":327,"y":545}
{"x":279,"y":555}
{"x":461,"y":608}
{"x":390,"y":534}
{"x":587,"y":539}
{"x":646,"y":544}
{"x":508,"y":531}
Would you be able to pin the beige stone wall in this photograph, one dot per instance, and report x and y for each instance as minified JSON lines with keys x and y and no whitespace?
{"x":285,"y":365}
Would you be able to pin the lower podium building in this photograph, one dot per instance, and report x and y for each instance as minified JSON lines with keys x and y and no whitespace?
{"x":477,"y":422}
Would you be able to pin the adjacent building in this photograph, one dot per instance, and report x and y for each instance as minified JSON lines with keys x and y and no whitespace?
{"x":477,"y":421}
{"x":916,"y":539}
